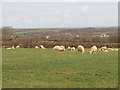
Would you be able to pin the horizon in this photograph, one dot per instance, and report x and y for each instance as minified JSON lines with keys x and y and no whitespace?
{"x":59,"y":27}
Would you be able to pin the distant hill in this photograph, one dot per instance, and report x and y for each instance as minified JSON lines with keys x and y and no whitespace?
{"x":66,"y":30}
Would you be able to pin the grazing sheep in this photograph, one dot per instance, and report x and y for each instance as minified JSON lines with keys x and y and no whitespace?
{"x":59,"y":48}
{"x":116,"y":49}
{"x":17,"y":46}
{"x":62,"y":47}
{"x":8,"y":48}
{"x":93,"y":49}
{"x":81,"y":48}
{"x":69,"y":48}
{"x":36,"y":47}
{"x":72,"y":48}
{"x":56,"y":47}
{"x":42,"y":47}
{"x":13,"y":47}
{"x":104,"y":49}
{"x":111,"y":49}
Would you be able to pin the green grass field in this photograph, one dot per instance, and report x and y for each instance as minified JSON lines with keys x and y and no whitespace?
{"x":36,"y":68}
{"x":22,"y":31}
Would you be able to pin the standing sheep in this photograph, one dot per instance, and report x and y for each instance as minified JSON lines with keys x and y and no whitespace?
{"x":81,"y":48}
{"x":17,"y":46}
{"x":13,"y":47}
{"x":36,"y":47}
{"x":93,"y":49}
{"x":61,"y":48}
{"x":42,"y":47}
{"x":69,"y":48}
{"x":72,"y":48}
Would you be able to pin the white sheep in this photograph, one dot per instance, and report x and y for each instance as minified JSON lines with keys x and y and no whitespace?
{"x":72,"y":48}
{"x":116,"y":49}
{"x":36,"y":47}
{"x":111,"y":49}
{"x":93,"y":49}
{"x":17,"y":46}
{"x":8,"y":48}
{"x":56,"y":47}
{"x":69,"y":48}
{"x":13,"y":47}
{"x":59,"y":48}
{"x":81,"y":48}
{"x":104,"y":49}
{"x":42,"y":47}
{"x":62,"y":47}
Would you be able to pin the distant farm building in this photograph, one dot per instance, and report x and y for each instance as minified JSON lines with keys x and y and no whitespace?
{"x":104,"y":35}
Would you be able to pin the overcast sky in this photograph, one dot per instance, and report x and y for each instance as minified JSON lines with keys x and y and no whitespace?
{"x":59,"y":14}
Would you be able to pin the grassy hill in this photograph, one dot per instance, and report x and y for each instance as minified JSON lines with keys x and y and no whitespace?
{"x":68,"y":30}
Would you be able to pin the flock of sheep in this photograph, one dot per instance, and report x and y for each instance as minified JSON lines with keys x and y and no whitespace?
{"x":13,"y":47}
{"x":80,"y":48}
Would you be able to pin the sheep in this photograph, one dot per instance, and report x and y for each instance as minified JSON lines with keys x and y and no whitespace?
{"x":9,"y":48}
{"x":17,"y":46}
{"x":93,"y":49}
{"x":59,"y":48}
{"x":56,"y":47}
{"x":72,"y":48}
{"x":116,"y":49}
{"x":36,"y":47}
{"x":104,"y":49}
{"x":42,"y":47}
{"x":13,"y":47}
{"x":81,"y":48}
{"x":69,"y":48}
{"x":62,"y":47}
{"x":111,"y":49}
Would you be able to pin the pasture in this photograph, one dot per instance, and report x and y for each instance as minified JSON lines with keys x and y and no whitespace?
{"x":37,"y":68}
